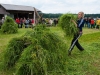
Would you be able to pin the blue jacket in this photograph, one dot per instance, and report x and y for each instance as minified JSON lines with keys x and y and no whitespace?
{"x":80,"y":24}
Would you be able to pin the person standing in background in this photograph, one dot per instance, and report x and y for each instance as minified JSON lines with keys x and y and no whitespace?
{"x":3,"y":19}
{"x":24,"y":21}
{"x":32,"y":21}
{"x":21,"y":22}
{"x":18,"y":21}
{"x":27,"y":23}
{"x":55,"y":21}
{"x":92,"y":23}
{"x":89,"y":22}
{"x":97,"y":23}
{"x":86,"y":22}
{"x":51,"y":22}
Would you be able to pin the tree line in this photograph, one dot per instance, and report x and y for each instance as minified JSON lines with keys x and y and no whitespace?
{"x":51,"y":15}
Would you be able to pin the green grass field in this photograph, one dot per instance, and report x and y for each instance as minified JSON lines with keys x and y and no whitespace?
{"x":86,"y":62}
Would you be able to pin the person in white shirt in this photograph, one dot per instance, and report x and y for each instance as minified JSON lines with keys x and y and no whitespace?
{"x":3,"y":20}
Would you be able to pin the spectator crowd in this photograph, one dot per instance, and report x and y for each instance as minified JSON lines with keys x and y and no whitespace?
{"x":23,"y":22}
{"x":92,"y":23}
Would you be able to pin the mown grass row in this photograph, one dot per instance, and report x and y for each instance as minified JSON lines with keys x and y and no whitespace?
{"x":86,"y":62}
{"x":80,"y":63}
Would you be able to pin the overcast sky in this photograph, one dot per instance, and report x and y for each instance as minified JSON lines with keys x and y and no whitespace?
{"x":60,"y":6}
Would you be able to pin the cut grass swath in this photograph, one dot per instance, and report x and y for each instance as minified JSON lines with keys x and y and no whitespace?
{"x":14,"y":50}
{"x":44,"y":55}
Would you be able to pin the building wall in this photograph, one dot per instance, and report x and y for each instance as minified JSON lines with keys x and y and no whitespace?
{"x":15,"y":13}
{"x":21,"y":14}
{"x":2,"y":10}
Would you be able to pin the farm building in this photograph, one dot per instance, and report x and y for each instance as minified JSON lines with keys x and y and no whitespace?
{"x":16,"y":11}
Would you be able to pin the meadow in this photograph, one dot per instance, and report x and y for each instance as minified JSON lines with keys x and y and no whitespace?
{"x":86,"y":62}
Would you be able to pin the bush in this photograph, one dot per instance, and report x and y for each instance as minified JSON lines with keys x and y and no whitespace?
{"x":67,"y":25}
{"x":9,"y":26}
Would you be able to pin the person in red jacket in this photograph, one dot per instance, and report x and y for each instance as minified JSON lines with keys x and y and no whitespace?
{"x":32,"y":21}
{"x":92,"y":23}
{"x":18,"y":21}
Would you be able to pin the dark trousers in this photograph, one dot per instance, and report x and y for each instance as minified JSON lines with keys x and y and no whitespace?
{"x":18,"y":25}
{"x":97,"y":27}
{"x":92,"y":26}
{"x":21,"y":25}
{"x":76,"y":42}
